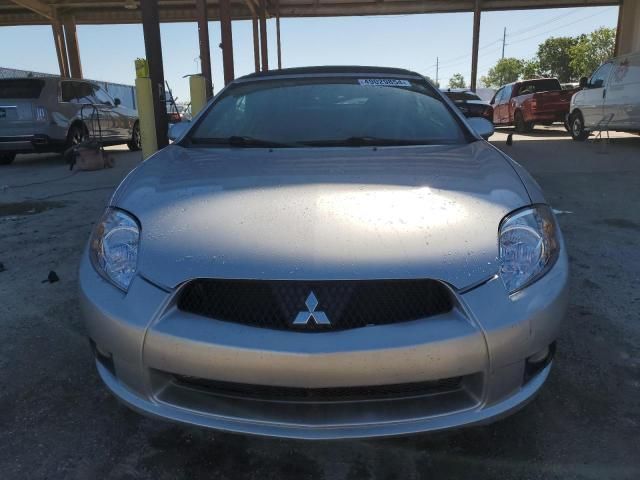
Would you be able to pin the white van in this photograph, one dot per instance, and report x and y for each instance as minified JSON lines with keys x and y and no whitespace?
{"x":610,"y":99}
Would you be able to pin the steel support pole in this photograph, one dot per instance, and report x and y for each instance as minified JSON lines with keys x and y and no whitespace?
{"x":256,"y":43}
{"x":71,"y":37}
{"x":263,"y":35}
{"x":227,"y":40}
{"x":153,"y":50}
{"x":61,"y":48}
{"x":476,"y":45}
{"x":203,"y":40}
{"x":278,"y":34}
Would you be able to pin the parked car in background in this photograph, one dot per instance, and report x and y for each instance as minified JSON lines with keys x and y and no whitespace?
{"x":326,"y":252}
{"x":525,"y":103}
{"x":470,"y":104}
{"x":50,"y":114}
{"x":610,"y":99}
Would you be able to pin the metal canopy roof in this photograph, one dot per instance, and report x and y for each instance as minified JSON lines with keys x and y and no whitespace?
{"x":96,"y":12}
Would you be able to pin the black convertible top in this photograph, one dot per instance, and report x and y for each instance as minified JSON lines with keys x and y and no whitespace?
{"x":329,"y":69}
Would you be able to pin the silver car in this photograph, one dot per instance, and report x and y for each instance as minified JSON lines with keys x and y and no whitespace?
{"x":50,"y":114}
{"x":323,"y":253}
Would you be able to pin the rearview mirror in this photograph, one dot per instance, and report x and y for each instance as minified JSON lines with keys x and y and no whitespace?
{"x":482,"y":126}
{"x":584,"y":82}
{"x":177,"y":130}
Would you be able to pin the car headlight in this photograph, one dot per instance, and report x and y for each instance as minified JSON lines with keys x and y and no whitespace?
{"x":114,"y":247}
{"x":529,"y":246}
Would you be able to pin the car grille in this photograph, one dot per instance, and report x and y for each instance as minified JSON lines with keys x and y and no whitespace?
{"x":332,"y":394}
{"x":345,"y":304}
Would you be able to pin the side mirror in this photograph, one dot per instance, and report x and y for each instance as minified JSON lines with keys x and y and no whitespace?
{"x":177,"y":130}
{"x":482,"y":126}
{"x":584,"y":82}
{"x":116,"y":101}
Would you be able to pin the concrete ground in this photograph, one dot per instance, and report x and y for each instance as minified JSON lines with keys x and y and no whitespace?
{"x":58,"y":422}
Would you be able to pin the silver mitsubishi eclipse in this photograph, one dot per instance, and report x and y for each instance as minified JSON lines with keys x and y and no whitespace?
{"x":322,"y":253}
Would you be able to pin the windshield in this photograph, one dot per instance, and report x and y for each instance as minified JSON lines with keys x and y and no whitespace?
{"x":462,"y":96}
{"x":329,"y":112}
{"x":535,"y":86}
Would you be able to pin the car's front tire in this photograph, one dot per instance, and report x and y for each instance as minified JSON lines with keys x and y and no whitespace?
{"x":578,"y":131}
{"x":135,"y":143}
{"x":77,"y":134}
{"x":7,"y":158}
{"x":520,"y":124}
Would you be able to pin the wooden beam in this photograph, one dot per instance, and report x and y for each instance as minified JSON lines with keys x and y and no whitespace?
{"x":153,"y":51}
{"x":61,"y":48}
{"x":263,"y":35}
{"x":71,"y":38}
{"x":475,"y":45}
{"x":170,"y":11}
{"x":278,"y":34}
{"x":227,"y":41}
{"x":38,"y":7}
{"x":256,"y":43}
{"x":205,"y":48}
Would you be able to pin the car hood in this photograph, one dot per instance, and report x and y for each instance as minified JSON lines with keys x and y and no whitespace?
{"x":321,"y":213}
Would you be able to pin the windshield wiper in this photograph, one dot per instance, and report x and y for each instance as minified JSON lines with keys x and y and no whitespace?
{"x":366,"y":142}
{"x":241,"y":141}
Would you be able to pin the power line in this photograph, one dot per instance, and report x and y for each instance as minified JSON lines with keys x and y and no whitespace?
{"x":557,"y":28}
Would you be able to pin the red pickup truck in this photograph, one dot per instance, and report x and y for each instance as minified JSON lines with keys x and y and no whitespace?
{"x":528,"y":102}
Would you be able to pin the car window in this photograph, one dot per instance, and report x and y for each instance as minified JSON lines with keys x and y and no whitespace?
{"x":21,"y":88}
{"x":331,"y":111}
{"x":462,"y":96}
{"x":600,"y":76}
{"x":497,"y":96}
{"x":506,"y":93}
{"x":536,"y":86}
{"x":102,"y":97}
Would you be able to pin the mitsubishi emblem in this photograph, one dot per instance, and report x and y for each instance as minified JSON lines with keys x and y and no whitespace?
{"x":319,"y":317}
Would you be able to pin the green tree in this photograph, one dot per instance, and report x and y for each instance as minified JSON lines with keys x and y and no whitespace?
{"x":507,"y":70}
{"x":554,"y":58}
{"x":591,"y":50}
{"x":457,"y":81}
{"x":531,"y":68}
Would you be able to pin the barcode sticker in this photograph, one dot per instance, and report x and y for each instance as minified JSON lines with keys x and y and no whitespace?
{"x":383,"y":82}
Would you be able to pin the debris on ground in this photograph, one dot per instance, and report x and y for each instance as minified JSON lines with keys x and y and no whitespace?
{"x":52,"y":277}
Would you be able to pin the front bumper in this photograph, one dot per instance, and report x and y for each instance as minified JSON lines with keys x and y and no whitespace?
{"x":146,"y":346}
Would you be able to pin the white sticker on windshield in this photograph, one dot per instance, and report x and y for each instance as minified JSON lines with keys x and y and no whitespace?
{"x":384,"y":82}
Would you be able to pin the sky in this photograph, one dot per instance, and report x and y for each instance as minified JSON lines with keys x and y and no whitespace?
{"x":407,"y":41}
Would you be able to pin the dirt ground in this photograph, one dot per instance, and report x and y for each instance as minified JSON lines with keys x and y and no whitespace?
{"x":57,"y":421}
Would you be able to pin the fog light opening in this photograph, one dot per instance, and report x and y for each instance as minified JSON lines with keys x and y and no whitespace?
{"x":538,"y":361}
{"x":105,"y":358}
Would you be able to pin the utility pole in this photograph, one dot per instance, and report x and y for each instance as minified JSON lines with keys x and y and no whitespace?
{"x":437,"y":68}
{"x":504,"y":40}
